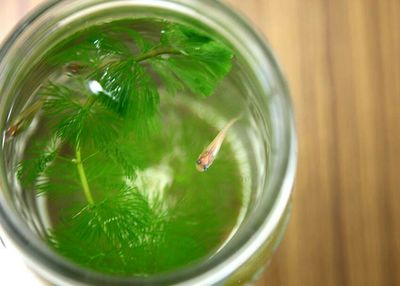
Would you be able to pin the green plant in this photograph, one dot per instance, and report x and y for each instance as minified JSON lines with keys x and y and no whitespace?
{"x":102,"y":118}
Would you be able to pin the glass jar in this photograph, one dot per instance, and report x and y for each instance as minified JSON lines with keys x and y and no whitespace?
{"x":269,"y":139}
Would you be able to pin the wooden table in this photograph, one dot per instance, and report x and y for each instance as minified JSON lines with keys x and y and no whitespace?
{"x":342,"y":61}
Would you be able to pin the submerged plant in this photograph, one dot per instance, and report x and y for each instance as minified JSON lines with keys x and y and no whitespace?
{"x":102,"y":116}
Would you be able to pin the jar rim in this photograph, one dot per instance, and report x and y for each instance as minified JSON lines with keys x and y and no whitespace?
{"x":225,"y":262}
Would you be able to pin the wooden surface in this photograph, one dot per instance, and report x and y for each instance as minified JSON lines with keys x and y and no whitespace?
{"x":342,"y":61}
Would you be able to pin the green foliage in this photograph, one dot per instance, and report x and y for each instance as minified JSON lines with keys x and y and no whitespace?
{"x":104,"y":121}
{"x":127,"y":155}
{"x":182,"y":59}
{"x":129,"y":91}
{"x":99,"y":235}
{"x":90,"y":50}
{"x":140,"y":43}
{"x":37,"y":161}
{"x":61,"y":177}
{"x":124,"y":233}
{"x":203,"y":62}
{"x":76,"y":118}
{"x":58,"y":180}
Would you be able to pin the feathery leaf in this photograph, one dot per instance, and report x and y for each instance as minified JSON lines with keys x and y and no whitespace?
{"x":203,"y":62}
{"x":90,"y":49}
{"x":99,"y":235}
{"x":39,"y":159}
{"x":129,"y":91}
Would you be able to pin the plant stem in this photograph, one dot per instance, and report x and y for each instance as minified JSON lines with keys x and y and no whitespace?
{"x":82,"y":176}
{"x":157,"y":52}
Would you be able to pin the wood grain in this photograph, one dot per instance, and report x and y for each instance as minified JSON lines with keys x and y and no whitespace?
{"x":342,"y":61}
